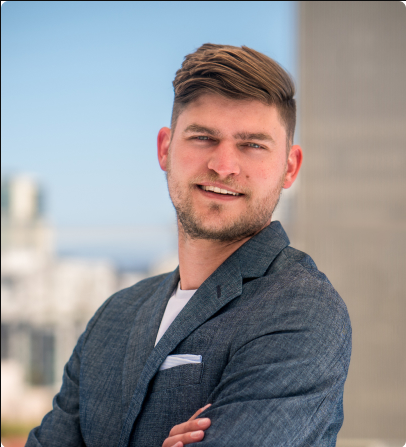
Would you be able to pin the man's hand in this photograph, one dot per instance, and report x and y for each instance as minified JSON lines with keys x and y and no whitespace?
{"x":188,"y":432}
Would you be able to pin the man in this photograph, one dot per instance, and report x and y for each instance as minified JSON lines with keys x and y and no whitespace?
{"x":246,"y":334}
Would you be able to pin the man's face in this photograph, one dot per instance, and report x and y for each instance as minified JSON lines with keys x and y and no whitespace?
{"x":226,"y":166}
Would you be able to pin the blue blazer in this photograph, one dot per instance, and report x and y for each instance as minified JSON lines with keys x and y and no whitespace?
{"x":275,"y":341}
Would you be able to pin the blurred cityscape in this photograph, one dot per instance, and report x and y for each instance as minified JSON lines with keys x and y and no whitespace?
{"x":347,"y":210}
{"x":46,"y":300}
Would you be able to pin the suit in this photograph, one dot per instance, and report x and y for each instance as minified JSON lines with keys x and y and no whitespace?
{"x":275,"y":342}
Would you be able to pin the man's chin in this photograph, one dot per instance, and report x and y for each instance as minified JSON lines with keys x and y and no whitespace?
{"x":220,"y":232}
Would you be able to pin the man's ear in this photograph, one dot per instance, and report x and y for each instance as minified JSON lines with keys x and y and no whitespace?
{"x":163,"y":142}
{"x":293,"y":165}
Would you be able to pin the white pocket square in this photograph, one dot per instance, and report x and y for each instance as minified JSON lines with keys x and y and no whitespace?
{"x":180,"y":359}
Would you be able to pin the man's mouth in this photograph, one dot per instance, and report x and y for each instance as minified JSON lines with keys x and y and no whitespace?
{"x":218,"y":190}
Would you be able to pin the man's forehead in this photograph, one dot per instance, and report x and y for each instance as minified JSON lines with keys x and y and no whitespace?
{"x":204,"y":105}
{"x":211,"y":98}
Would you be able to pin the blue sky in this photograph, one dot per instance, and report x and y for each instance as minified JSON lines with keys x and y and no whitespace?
{"x":87,"y":85}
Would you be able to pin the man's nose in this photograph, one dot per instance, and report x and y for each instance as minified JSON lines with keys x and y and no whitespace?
{"x":225,"y":160}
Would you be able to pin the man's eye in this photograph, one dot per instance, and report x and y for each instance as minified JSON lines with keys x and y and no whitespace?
{"x":254,"y":145}
{"x":202,"y":137}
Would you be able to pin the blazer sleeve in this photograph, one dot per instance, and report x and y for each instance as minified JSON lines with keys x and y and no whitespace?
{"x":61,"y":426}
{"x":284,"y":388}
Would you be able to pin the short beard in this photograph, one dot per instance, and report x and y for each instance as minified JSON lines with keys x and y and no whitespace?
{"x":257,"y":216}
{"x":238,"y":230}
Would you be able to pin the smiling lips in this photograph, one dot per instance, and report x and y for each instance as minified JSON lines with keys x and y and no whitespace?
{"x":218,"y":190}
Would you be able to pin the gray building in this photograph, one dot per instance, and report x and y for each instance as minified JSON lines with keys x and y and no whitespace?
{"x":351,"y":215}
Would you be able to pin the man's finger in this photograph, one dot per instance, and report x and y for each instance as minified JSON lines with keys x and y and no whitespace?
{"x":190,"y":426}
{"x":184,"y":439}
{"x":189,"y":431}
{"x":200,"y":410}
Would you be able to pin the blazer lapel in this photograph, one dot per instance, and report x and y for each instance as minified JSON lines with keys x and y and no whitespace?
{"x":221,"y":287}
{"x":143,"y":335}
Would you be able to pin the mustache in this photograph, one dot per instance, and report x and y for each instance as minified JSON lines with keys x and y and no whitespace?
{"x":214,"y":177}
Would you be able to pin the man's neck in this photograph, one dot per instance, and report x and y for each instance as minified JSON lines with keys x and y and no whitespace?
{"x":199,"y":258}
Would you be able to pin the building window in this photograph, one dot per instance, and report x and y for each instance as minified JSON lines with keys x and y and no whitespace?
{"x":5,"y":341}
{"x":42,"y":357}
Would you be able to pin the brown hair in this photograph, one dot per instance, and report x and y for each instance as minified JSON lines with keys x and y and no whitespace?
{"x":236,"y":73}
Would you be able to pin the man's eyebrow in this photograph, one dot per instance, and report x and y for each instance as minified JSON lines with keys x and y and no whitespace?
{"x":253,"y":136}
{"x":202,"y":129}
{"x":238,"y":136}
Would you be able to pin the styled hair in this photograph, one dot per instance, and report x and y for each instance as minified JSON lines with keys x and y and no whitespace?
{"x":236,"y":73}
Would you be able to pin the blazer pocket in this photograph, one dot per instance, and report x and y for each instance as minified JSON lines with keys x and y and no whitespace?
{"x":178,"y":376}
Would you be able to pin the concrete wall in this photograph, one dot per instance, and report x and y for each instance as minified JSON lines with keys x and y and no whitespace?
{"x":352,"y":199}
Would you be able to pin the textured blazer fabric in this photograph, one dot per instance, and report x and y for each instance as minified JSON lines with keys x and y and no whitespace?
{"x":274,"y":339}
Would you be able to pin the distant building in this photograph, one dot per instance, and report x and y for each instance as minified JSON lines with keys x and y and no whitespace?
{"x":46,"y":301}
{"x":352,"y":213}
{"x":22,"y":220}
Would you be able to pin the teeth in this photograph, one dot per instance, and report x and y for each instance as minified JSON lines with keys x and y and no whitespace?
{"x":219,"y":190}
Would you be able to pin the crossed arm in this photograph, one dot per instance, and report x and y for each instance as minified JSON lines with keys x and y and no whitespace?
{"x":291,"y":400}
{"x":280,"y":388}
{"x":244,"y":412}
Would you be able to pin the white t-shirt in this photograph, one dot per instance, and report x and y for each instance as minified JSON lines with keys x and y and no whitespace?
{"x":175,"y":304}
